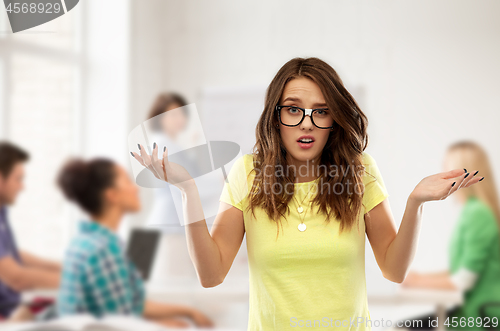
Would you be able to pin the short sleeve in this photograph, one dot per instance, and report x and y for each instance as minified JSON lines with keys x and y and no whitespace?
{"x":4,"y":251}
{"x":374,"y":188}
{"x":464,"y":279}
{"x":5,"y":246}
{"x":478,"y":239}
{"x":236,"y":187}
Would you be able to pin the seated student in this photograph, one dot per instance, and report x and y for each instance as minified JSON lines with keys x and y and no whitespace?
{"x":97,"y":277}
{"x":19,"y":270}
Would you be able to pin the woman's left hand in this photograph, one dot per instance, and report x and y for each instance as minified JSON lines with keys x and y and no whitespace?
{"x":442,"y":185}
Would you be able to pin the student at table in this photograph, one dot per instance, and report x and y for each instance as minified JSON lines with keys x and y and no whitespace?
{"x":19,"y":270}
{"x":97,"y":276}
{"x":474,"y":248}
{"x":305,"y":198}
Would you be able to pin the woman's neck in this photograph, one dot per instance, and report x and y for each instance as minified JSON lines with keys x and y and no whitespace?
{"x":110,"y":218}
{"x":306,"y":171}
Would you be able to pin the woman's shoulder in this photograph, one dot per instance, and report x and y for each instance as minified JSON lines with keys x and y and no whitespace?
{"x":245,"y":158}
{"x":240,"y":175}
{"x":478,"y":212}
{"x":248,"y":160}
{"x":244,"y":163}
{"x":85,"y":248}
{"x":371,"y":171}
{"x":367,"y":159}
{"x":476,"y":206}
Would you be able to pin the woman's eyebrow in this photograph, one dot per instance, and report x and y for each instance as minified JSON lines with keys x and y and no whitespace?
{"x":291,"y":99}
{"x":294,"y":99}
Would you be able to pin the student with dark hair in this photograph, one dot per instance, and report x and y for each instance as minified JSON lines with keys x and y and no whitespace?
{"x":19,"y":270}
{"x":97,"y":276}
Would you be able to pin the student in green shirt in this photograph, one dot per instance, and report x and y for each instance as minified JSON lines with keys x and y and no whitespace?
{"x":474,"y":249}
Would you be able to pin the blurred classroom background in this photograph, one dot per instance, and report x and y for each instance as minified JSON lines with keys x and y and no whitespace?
{"x":425,"y":73}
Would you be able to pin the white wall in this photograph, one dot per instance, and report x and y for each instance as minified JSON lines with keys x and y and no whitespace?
{"x":106,"y":107}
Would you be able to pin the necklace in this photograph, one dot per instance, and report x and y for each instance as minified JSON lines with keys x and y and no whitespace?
{"x":302,"y":227}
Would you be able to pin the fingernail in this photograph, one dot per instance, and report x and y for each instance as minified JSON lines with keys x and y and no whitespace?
{"x":154,"y":145}
{"x":453,"y":184}
{"x":139,"y":145}
{"x":465,"y":170}
{"x":466,"y":175}
{"x":164,"y":148}
{"x":475,"y":173}
{"x":131,"y":153}
{"x":481,"y":179}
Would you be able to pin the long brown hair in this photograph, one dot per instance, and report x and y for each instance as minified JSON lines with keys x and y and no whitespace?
{"x":344,"y":147}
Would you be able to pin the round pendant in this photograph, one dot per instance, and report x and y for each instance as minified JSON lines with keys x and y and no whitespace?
{"x":302,"y":227}
{"x":300,"y":209}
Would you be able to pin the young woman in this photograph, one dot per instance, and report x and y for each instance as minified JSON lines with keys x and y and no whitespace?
{"x":97,"y":277}
{"x":474,"y":247}
{"x":305,"y":199}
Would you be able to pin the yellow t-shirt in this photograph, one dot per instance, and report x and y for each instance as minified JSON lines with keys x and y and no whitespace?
{"x":311,"y":279}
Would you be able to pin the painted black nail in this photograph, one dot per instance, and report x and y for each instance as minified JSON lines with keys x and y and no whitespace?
{"x":466,"y":175}
{"x":154,"y":145}
{"x":453,"y":184}
{"x":481,"y":179}
{"x":138,"y":145}
{"x":132,"y":154}
{"x":164,"y":148}
{"x":475,"y":173}
{"x":465,"y":170}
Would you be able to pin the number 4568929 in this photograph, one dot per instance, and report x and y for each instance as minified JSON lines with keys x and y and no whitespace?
{"x":24,"y":7}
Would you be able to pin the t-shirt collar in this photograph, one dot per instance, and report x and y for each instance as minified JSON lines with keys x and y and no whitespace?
{"x":93,"y":227}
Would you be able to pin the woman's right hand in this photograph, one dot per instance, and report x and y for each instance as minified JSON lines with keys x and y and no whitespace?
{"x":442,"y":185}
{"x":163,"y":169}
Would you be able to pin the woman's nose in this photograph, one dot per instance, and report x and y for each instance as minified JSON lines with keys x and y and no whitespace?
{"x":307,"y":122}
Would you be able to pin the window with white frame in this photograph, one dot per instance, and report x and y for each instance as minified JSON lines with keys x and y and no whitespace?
{"x":39,"y":103}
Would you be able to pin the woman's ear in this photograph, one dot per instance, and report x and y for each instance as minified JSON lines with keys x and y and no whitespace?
{"x":110,"y":195}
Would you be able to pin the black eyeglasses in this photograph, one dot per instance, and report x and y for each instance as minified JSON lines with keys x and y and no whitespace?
{"x":293,"y":116}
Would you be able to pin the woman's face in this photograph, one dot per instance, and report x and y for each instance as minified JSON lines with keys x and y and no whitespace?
{"x":124,"y":193}
{"x":304,"y":93}
{"x":173,"y":120}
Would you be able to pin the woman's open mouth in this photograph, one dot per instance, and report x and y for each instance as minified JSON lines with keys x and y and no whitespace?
{"x":305,"y":142}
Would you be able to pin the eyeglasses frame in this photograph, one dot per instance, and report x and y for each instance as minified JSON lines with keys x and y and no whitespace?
{"x":305,"y":112}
